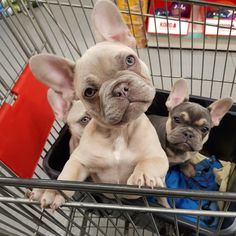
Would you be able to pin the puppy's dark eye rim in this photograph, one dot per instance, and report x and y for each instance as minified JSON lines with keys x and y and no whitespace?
{"x":176,"y":119}
{"x":205,"y":129}
{"x":130,"y":60}
{"x":85,"y":119}
{"x":90,"y":92}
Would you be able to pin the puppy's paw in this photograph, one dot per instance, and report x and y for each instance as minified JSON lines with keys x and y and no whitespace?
{"x":188,"y":170}
{"x":58,"y":201}
{"x":35,"y":194}
{"x":52,"y":199}
{"x":136,"y":179}
{"x":141,"y":178}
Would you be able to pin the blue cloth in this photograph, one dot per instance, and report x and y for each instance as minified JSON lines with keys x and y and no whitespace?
{"x":203,"y":180}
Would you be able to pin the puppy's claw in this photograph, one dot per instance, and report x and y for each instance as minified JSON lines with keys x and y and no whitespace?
{"x":152,"y":185}
{"x":139,"y":183}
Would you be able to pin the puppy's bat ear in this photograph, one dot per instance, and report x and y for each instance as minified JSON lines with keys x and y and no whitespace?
{"x":108,"y":24}
{"x":178,"y":94}
{"x":55,"y":72}
{"x":58,"y":104}
{"x":219,"y":108}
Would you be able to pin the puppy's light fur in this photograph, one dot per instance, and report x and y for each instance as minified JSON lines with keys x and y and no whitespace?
{"x":76,"y":118}
{"x":119,"y":145}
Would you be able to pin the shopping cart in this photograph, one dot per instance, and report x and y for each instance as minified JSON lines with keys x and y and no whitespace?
{"x":30,"y":139}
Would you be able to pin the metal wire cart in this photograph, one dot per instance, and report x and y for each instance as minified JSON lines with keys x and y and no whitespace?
{"x":196,"y":41}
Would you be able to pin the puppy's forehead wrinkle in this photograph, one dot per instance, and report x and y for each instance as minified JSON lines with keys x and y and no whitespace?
{"x":196,"y":113}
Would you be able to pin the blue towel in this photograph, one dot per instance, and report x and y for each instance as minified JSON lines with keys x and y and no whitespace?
{"x":203,"y":180}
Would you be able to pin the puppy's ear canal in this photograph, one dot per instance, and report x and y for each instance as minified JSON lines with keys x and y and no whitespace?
{"x":219,"y":108}
{"x":57,"y":73}
{"x":108,"y":24}
{"x":58,"y":104}
{"x":178,"y":94}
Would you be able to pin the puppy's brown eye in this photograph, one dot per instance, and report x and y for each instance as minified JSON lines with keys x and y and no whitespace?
{"x":176,"y":119}
{"x":90,"y":92}
{"x":130,"y":60}
{"x":85,"y":120}
{"x":205,"y":129}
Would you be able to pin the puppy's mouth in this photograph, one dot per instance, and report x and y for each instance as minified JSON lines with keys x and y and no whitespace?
{"x":185,"y":146}
{"x":126,"y":99}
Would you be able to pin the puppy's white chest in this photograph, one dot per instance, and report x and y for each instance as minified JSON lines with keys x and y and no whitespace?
{"x":119,"y":148}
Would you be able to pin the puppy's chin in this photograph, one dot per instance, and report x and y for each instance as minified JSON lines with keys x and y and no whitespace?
{"x":186,"y":147}
{"x":178,"y":143}
{"x":125,"y":112}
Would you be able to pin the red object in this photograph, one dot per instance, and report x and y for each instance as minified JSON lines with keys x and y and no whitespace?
{"x":25,"y":126}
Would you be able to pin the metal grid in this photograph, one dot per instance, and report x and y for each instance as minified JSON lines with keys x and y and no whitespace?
{"x":63,"y":27}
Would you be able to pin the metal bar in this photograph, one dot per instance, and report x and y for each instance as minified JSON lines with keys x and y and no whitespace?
{"x":175,"y":217}
{"x":226,"y":207}
{"x":203,"y":54}
{"x":10,"y":64}
{"x":86,"y":18}
{"x":76,"y":46}
{"x":152,"y":218}
{"x":34,"y":209}
{"x":158,"y":48}
{"x":10,"y":50}
{"x":144,"y":33}
{"x":226,"y":56}
{"x":233,"y":83}
{"x":214,"y":61}
{"x":113,"y":188}
{"x":168,"y":41}
{"x":199,"y":2}
{"x":16,"y":219}
{"x":126,"y":214}
{"x":198,"y":218}
{"x":6,"y":224}
{"x":191,"y":73}
{"x":64,"y":35}
{"x":76,"y":19}
{"x":105,"y":214}
{"x":84,"y":205}
{"x":132,"y":25}
{"x":24,"y":29}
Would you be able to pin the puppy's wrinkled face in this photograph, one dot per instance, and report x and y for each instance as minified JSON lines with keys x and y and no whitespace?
{"x":113,"y":84}
{"x":188,"y":127}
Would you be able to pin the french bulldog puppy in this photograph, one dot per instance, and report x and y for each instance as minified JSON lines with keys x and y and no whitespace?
{"x":119,"y":144}
{"x":76,"y":119}
{"x":183,"y":133}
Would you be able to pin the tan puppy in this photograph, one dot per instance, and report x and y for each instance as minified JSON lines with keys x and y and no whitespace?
{"x":186,"y":129}
{"x":76,"y":117}
{"x":115,"y":88}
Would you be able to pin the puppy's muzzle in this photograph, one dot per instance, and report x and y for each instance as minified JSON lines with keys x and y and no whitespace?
{"x":125,"y":98}
{"x":122,"y":90}
{"x":188,"y":135}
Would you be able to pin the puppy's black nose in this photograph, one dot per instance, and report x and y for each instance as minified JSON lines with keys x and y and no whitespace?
{"x":188,"y":134}
{"x":122,"y":90}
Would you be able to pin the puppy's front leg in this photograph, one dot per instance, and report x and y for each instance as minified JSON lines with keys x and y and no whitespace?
{"x":150,"y":172}
{"x":74,"y":171}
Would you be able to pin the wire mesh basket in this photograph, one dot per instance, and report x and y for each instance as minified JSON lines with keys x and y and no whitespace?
{"x":198,"y":47}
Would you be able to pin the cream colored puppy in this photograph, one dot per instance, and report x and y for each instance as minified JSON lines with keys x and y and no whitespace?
{"x":116,"y":89}
{"x":76,"y":118}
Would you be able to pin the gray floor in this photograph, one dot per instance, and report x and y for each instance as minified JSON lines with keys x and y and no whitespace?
{"x":65,"y":31}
